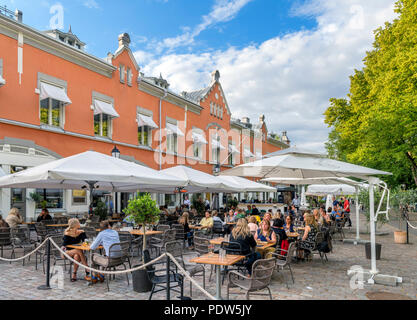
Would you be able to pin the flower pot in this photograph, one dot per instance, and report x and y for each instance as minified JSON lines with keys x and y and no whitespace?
{"x":377,"y":249}
{"x":141,"y":281}
{"x":400,"y":237}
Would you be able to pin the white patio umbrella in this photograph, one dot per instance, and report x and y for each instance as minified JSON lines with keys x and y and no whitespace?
{"x":246,"y":185}
{"x":297,"y":163}
{"x":92,"y":170}
{"x":334,"y":189}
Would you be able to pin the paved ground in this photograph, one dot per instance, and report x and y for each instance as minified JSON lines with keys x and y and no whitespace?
{"x":313,"y":280}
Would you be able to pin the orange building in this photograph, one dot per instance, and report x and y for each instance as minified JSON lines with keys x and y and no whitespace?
{"x":57,"y":100}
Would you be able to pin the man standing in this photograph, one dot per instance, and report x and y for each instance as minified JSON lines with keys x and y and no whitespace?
{"x":346,"y":209}
{"x":187,"y":202}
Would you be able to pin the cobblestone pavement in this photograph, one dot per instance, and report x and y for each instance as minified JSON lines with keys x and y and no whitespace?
{"x":313,"y":280}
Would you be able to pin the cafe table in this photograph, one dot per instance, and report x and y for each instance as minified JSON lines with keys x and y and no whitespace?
{"x":214,"y":259}
{"x":148,"y":232}
{"x":293,"y":235}
{"x":196,"y":227}
{"x":57,"y":225}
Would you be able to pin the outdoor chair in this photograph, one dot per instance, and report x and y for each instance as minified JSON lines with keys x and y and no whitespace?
{"x":158,"y":277}
{"x":6,"y":241}
{"x":319,"y":239}
{"x":55,"y":253}
{"x":180,"y":234}
{"x":159,"y":244}
{"x":175,"y":248}
{"x":285,"y":260}
{"x":118,"y":255}
{"x":135,"y":244}
{"x":260,"y":278}
{"x":218,"y":229}
{"x":21,"y":240}
{"x":234,"y":248}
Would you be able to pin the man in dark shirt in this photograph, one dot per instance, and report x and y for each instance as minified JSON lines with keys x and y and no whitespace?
{"x":255,"y":211}
{"x":44,"y":216}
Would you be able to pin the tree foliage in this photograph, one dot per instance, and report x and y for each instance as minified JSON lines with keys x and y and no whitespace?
{"x":376,"y":125}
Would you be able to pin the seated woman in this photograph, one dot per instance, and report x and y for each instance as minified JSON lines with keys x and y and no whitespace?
{"x":253,"y":225}
{"x":264,"y":233}
{"x":74,"y":235}
{"x":188,"y":233}
{"x":310,"y":232}
{"x":14,"y":218}
{"x":241,"y":234}
{"x":44,"y":216}
{"x":289,"y":226}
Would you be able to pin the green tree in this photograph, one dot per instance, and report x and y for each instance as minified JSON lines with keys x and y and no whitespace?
{"x":376,"y":125}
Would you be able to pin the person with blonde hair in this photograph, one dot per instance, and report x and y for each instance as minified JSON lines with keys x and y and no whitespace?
{"x":188,"y":233}
{"x":265,"y":233}
{"x":253,"y":224}
{"x":74,"y":235}
{"x":14,"y":218}
{"x":242,"y":235}
{"x":3,"y":224}
{"x":307,"y":243}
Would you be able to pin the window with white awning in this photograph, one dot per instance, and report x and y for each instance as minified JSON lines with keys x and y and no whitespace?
{"x":104,"y":107}
{"x":2,"y":81}
{"x":173,"y":132}
{"x":145,"y":127}
{"x":173,"y":129}
{"x":198,"y":138}
{"x":49,"y":91}
{"x":104,"y":113}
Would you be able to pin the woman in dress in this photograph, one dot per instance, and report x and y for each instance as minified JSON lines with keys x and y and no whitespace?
{"x":308,"y":241}
{"x":74,"y":235}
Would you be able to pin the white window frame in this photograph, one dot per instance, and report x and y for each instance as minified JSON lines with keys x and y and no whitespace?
{"x":232,"y":160}
{"x":129,"y":77}
{"x":61,"y":113}
{"x":149,"y":130}
{"x":172,"y":141}
{"x":110,"y":126}
{"x":215,"y":152}
{"x":122,"y":73}
{"x":246,"y":159}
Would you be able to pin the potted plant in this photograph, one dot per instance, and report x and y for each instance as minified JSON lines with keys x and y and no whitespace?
{"x":142,"y":210}
{"x":100,"y":210}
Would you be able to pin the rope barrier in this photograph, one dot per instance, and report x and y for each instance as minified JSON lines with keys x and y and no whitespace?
{"x":24,"y":257}
{"x":102,"y":271}
{"x":410,"y":225}
{"x":187,"y":275}
{"x":184,"y":272}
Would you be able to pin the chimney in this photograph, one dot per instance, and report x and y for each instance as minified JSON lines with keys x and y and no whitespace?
{"x":18,"y":15}
{"x":284,"y":138}
{"x":245,"y":120}
{"x":262,"y":118}
{"x":124,"y":40}
{"x":215,"y":76}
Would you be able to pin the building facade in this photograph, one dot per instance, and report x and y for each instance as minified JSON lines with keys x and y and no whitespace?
{"x":57,"y":100}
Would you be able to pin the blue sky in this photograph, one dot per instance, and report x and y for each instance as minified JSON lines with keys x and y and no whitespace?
{"x":281,"y":58}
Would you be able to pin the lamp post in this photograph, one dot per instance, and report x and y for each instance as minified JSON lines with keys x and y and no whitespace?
{"x":115,"y":154}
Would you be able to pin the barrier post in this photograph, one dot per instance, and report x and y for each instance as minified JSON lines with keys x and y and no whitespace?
{"x":48,"y":267}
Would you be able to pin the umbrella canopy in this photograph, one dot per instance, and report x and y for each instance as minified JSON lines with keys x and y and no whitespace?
{"x":246,"y":185}
{"x":89,"y":169}
{"x":313,"y":181}
{"x":294,"y":150}
{"x":194,"y":181}
{"x":334,"y":189}
{"x":301,"y":166}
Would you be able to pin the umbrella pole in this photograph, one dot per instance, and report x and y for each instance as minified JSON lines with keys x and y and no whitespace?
{"x":372,"y":225}
{"x":357,"y":214}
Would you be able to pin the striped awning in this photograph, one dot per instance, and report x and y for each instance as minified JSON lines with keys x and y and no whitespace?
{"x":54,"y":92}
{"x":146,"y":121}
{"x":102,"y":107}
{"x":173,"y":129}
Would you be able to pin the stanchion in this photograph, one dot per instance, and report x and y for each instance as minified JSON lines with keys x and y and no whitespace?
{"x":168,"y":281}
{"x":48,"y":266}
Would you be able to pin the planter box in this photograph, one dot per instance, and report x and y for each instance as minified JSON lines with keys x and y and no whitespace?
{"x":141,"y":281}
{"x":400,"y":237}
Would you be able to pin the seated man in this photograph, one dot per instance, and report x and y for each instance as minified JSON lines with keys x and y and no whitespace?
{"x":207,"y":222}
{"x":255,"y":211}
{"x":106,"y":238}
{"x":44,"y":216}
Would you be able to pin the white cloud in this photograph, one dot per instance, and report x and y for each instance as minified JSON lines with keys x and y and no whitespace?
{"x":91,"y":4}
{"x":222,"y":11}
{"x":288,"y":78}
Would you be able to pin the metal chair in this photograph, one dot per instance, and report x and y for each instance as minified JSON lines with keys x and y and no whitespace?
{"x":285,"y":260}
{"x":6,"y":241}
{"x":159,"y":244}
{"x":117,"y":256}
{"x":135,"y":244}
{"x":175,"y":248}
{"x":180,"y":234}
{"x":218,"y":228}
{"x":234,"y":248}
{"x":260,"y":279}
{"x":21,"y":240}
{"x":90,"y":232}
{"x":158,"y":277}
